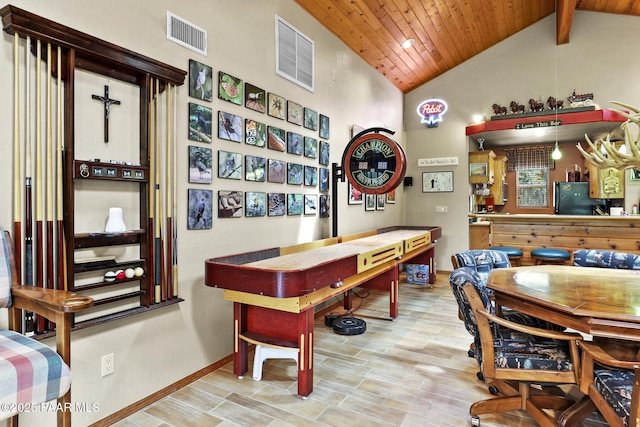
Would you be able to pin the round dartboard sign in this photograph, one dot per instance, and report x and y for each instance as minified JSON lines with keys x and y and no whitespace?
{"x":374,"y":163}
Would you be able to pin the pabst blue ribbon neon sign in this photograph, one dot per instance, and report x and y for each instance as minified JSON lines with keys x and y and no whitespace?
{"x":432,"y":111}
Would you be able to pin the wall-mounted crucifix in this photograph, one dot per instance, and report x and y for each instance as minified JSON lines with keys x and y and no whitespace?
{"x":107,"y":105}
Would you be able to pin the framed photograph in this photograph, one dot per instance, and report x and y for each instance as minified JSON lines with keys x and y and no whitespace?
{"x":276,"y":106}
{"x":276,"y":171}
{"x":199,"y":123}
{"x":200,"y":161}
{"x":369,"y":202}
{"x":294,"y":204}
{"x":294,"y":143}
{"x":294,"y":173}
{"x":200,"y":209}
{"x":255,"y":203}
{"x":277,"y":204}
{"x":276,"y":138}
{"x":310,"y":176}
{"x":294,"y":113}
{"x":200,"y":80}
{"x":229,"y":126}
{"x":230,"y":204}
{"x":310,"y":119}
{"x":325,"y":206}
{"x":255,"y":98}
{"x":230,"y":88}
{"x":310,"y":147}
{"x":478,"y":169}
{"x":310,"y":204}
{"x":437,"y":182}
{"x":380,"y":199}
{"x":323,"y":158}
{"x":323,"y":182}
{"x":255,"y":168}
{"x":324,"y":127}
{"x":634,"y":174}
{"x":391,"y":197}
{"x":355,"y":196}
{"x":229,"y":165}
{"x":255,"y":133}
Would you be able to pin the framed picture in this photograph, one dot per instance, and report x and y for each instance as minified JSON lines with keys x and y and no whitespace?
{"x":355,"y":196}
{"x":634,"y":174}
{"x":229,"y":126}
{"x":478,"y":169}
{"x":294,"y":113}
{"x":229,"y":165}
{"x":294,"y":204}
{"x":310,"y":147}
{"x":325,"y":206}
{"x":276,"y":106}
{"x":276,"y":171}
{"x":200,"y":209}
{"x":294,"y":173}
{"x":230,"y":88}
{"x":255,"y":98}
{"x":294,"y":143}
{"x":323,"y":181}
{"x":199,"y":123}
{"x":277,"y":204}
{"x":276,"y":138}
{"x":391,"y":197}
{"x":369,"y":202}
{"x":230,"y":204}
{"x":380,"y":199}
{"x":324,"y":127}
{"x":255,"y":168}
{"x":437,"y":182}
{"x":200,"y":80}
{"x":200,"y":161}
{"x":310,"y":204}
{"x":255,"y":133}
{"x":310,"y":176}
{"x":255,"y":203}
{"x":310,"y":119}
{"x":323,"y":158}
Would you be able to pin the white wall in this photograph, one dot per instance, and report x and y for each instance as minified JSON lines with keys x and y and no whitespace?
{"x":156,"y":349}
{"x":527,"y":65}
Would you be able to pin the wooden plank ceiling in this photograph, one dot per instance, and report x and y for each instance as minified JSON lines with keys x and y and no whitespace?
{"x":446,"y":32}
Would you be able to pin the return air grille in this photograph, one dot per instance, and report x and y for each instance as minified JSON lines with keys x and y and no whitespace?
{"x":186,"y":34}
{"x":294,"y":54}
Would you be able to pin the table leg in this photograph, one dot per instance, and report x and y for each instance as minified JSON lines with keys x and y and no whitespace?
{"x":305,"y":357}
{"x":240,"y":346}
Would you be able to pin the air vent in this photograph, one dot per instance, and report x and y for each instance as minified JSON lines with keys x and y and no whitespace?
{"x":294,"y":54}
{"x":186,"y":34}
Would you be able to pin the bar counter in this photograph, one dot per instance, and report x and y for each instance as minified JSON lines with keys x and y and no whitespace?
{"x":568,"y":232}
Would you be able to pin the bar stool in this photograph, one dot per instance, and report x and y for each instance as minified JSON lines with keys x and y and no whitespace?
{"x":514,"y":254}
{"x":550,"y":256}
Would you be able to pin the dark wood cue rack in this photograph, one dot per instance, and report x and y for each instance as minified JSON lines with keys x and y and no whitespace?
{"x":85,"y":52}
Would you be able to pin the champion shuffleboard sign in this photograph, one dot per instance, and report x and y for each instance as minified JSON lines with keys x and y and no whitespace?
{"x":374,"y":163}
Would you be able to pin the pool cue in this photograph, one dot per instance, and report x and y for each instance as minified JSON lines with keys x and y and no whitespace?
{"x":151,"y":228}
{"x":159,"y":275}
{"x":49,"y":194}
{"x":28,"y":205}
{"x":17,"y":157}
{"x":39,"y":182}
{"x":169,"y":200}
{"x":174,"y":235}
{"x":62,"y":249}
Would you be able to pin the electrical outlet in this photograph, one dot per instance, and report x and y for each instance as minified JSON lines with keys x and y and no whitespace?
{"x":441,"y":209}
{"x":108,"y":366}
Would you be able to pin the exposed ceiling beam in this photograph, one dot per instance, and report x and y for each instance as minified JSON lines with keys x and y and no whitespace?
{"x":564,"y":18}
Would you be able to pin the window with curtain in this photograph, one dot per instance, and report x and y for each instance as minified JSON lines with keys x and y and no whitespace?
{"x":532,"y":166}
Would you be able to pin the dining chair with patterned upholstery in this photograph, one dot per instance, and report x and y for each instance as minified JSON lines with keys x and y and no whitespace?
{"x":606,"y":259}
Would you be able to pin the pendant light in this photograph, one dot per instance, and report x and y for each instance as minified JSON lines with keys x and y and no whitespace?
{"x":556,"y":154}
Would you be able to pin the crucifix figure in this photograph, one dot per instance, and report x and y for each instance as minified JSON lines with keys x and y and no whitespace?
{"x":107,"y":104}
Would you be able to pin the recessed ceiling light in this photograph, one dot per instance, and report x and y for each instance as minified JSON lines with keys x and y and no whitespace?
{"x":408,"y":43}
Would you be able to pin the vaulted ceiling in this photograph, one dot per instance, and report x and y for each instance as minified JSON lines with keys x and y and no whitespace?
{"x":445,"y":32}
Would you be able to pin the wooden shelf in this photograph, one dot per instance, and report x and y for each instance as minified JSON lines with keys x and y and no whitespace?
{"x":93,"y":240}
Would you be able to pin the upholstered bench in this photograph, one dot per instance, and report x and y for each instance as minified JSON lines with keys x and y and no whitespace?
{"x":514,"y":254}
{"x":550,"y":256}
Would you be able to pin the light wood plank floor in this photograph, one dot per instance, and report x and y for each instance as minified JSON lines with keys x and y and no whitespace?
{"x":413,"y":371}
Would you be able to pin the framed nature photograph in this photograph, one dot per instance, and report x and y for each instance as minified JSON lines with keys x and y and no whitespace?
{"x":229,"y":165}
{"x":391,"y":197}
{"x":200,"y":214}
{"x":310,"y":119}
{"x":294,"y":173}
{"x":355,"y":196}
{"x":276,"y":106}
{"x":310,"y":147}
{"x":255,"y":168}
{"x":324,"y":127}
{"x":230,"y":204}
{"x":294,"y":143}
{"x":255,"y":203}
{"x":229,"y":126}
{"x":380,"y":199}
{"x":310,"y":176}
{"x":323,"y":179}
{"x":634,"y":174}
{"x":230,"y":88}
{"x":294,"y":204}
{"x":255,"y":98}
{"x":276,"y":170}
{"x":437,"y":182}
{"x":200,"y":80}
{"x":200,"y":161}
{"x":323,"y":158}
{"x":199,"y":123}
{"x":276,"y":139}
{"x":325,"y":206}
{"x":369,"y":202}
{"x":310,"y":204}
{"x":294,"y":113}
{"x":277,"y":204}
{"x":255,"y":133}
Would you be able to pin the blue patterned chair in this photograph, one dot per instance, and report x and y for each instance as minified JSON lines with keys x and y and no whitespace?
{"x":605,"y":259}
{"x":32,"y":373}
{"x":515,"y":356}
{"x":609,"y":382}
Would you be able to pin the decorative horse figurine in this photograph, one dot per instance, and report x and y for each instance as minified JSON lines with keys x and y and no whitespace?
{"x":499,"y":110}
{"x":516,"y":108}
{"x":535,"y":105}
{"x":555,"y":105}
